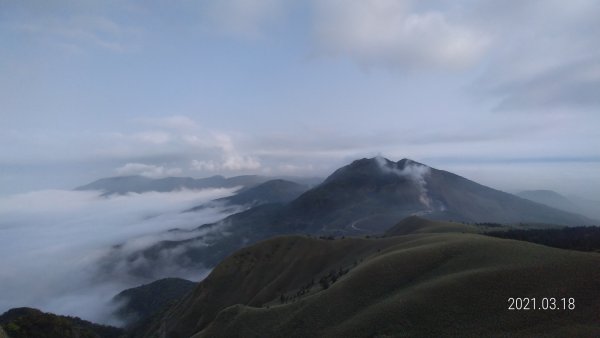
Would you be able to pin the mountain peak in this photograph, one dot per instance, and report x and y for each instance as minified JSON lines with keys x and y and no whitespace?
{"x":373,"y":193}
{"x":376,"y":167}
{"x":407,"y":161}
{"x":378,"y":160}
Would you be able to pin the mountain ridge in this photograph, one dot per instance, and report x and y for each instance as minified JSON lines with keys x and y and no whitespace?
{"x":362,"y":198}
{"x":141,"y":184}
{"x":119,"y":185}
{"x":407,"y":187}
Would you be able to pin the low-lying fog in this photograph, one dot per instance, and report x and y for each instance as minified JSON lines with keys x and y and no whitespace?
{"x":52,"y":241}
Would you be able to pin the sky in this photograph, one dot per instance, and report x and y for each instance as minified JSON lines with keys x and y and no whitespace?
{"x":502,"y":92}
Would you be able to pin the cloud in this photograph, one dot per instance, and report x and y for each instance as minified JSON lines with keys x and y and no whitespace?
{"x":209,"y":165}
{"x":231,"y":159}
{"x":230,"y":162}
{"x":152,"y":147}
{"x":179,"y":140}
{"x":567,"y":86}
{"x":545,"y":55}
{"x":65,"y":236}
{"x":533,"y":55}
{"x":238,"y":162}
{"x":147,"y":170}
{"x":391,"y":33}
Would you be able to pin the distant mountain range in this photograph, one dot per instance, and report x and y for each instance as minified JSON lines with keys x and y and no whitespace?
{"x":573,"y":204}
{"x":140,"y":184}
{"x":549,"y":198}
{"x":367,"y":196}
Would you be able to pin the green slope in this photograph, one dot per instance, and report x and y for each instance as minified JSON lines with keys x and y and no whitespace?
{"x":416,"y":285}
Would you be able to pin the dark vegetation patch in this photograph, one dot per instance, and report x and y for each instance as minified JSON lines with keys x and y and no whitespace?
{"x":572,"y":238}
{"x":490,"y":224}
{"x":28,"y":322}
{"x":325,"y":281}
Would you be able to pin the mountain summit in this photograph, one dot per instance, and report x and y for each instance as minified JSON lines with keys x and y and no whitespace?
{"x":370,"y":195}
{"x":407,"y":177}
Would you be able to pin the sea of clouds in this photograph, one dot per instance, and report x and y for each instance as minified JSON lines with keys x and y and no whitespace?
{"x":52,"y":243}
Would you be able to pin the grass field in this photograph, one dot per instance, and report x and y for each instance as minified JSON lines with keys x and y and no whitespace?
{"x":413,"y":285}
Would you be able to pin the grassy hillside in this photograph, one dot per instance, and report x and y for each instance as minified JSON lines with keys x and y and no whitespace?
{"x":261,"y":274}
{"x":413,"y":285}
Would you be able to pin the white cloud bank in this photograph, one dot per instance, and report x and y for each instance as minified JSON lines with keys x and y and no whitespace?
{"x":148,"y":170}
{"x":51,"y":244}
{"x":231,"y":162}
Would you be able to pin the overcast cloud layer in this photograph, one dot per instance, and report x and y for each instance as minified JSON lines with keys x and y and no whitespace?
{"x":52,"y":243}
{"x":487,"y":89}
